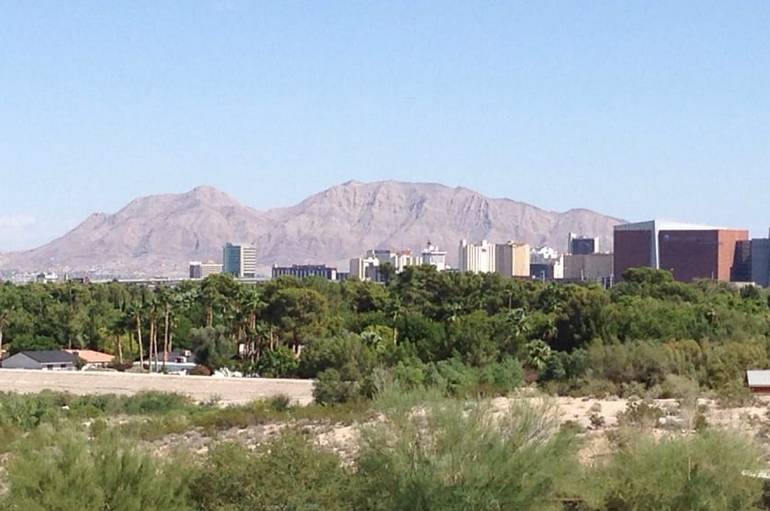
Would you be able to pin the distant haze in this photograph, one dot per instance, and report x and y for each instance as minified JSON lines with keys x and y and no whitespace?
{"x":160,"y":234}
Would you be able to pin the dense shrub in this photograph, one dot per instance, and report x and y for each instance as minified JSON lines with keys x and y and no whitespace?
{"x":702,"y":473}
{"x":331,"y":388}
{"x":64,"y":471}
{"x":279,"y":362}
{"x":286,"y":473}
{"x":443,"y":454}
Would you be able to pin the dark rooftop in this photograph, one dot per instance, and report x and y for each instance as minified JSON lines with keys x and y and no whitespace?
{"x":50,"y":357}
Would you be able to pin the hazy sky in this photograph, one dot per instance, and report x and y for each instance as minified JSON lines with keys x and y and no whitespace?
{"x":635,"y":109}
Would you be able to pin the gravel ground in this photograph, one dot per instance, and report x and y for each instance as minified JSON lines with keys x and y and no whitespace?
{"x":199,"y":388}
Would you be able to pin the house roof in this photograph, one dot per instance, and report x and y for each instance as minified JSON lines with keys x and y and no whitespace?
{"x":92,"y":356}
{"x":758,"y":378}
{"x":50,"y":357}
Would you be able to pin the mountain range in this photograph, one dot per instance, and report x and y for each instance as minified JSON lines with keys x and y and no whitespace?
{"x":159,"y":234}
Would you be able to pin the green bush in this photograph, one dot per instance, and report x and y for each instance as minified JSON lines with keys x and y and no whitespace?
{"x":279,"y":362}
{"x":65,"y":471}
{"x":155,"y":403}
{"x":287,"y":473}
{"x":445,"y":454}
{"x":701,"y":473}
{"x":330,"y":388}
{"x":505,"y":376}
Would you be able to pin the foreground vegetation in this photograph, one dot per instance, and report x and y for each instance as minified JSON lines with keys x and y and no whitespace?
{"x":416,"y":451}
{"x":470,"y":334}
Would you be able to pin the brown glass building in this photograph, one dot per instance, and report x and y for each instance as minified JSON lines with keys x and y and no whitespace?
{"x":688,"y":251}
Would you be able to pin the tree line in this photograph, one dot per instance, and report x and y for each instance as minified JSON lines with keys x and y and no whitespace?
{"x":421,"y":325}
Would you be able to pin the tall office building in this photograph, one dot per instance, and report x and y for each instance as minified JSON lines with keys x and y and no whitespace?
{"x":512,"y":259}
{"x":199,"y":270}
{"x":240,"y":260}
{"x":477,"y":258}
{"x":688,"y":251}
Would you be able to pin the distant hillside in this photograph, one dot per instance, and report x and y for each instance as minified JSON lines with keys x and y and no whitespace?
{"x":158,"y":235}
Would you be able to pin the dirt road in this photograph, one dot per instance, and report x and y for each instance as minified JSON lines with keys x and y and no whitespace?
{"x":199,"y":388}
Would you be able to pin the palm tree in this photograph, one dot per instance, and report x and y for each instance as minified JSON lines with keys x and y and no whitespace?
{"x":135,"y":312}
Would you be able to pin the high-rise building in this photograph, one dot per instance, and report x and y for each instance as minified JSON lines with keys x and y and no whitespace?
{"x":240,"y":260}
{"x":477,"y":258}
{"x":365,"y":268}
{"x":512,"y":259}
{"x":581,"y":245}
{"x":760,"y":261}
{"x":302,"y":271}
{"x":688,"y":251}
{"x":403,"y":259}
{"x":433,"y":256}
{"x":199,"y":270}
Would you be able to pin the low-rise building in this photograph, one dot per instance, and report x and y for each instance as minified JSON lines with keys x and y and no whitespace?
{"x":53,"y":360}
{"x":200,"y":270}
{"x":92,"y":359}
{"x":589,"y":267}
{"x":758,"y":381}
{"x":302,"y":271}
{"x":546,"y":264}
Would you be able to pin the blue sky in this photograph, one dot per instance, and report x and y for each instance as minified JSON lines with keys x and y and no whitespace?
{"x":635,"y":109}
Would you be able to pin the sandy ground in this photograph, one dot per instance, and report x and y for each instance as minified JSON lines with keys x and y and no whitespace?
{"x":199,"y":388}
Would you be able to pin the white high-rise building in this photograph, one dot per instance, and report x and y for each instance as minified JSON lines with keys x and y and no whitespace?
{"x":433,"y":256}
{"x":477,"y":258}
{"x":240,"y":260}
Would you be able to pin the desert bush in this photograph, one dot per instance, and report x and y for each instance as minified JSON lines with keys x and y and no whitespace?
{"x":287,"y":473}
{"x":734,"y":395}
{"x":446,"y":454}
{"x":65,"y":471}
{"x":679,"y":387}
{"x":145,"y":403}
{"x":279,"y":403}
{"x":644,"y":414}
{"x":700,"y":473}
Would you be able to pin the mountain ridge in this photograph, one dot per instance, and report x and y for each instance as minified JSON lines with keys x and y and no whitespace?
{"x":159,"y":234}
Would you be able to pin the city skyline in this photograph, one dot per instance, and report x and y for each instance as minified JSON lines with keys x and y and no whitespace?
{"x":652,"y":110}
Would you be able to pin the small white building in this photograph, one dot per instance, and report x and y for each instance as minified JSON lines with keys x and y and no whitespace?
{"x":41,"y":360}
